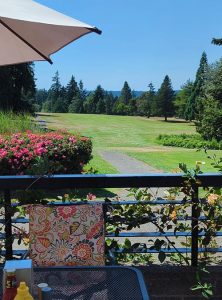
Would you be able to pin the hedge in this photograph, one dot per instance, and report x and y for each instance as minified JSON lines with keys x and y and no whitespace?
{"x":188,"y":141}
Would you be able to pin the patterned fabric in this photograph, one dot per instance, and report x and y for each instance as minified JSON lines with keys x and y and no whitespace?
{"x":67,"y":235}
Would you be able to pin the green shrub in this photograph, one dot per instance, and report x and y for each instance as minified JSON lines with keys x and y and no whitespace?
{"x":190,"y":141}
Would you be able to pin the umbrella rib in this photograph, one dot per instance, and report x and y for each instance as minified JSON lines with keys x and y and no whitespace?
{"x":26,"y":42}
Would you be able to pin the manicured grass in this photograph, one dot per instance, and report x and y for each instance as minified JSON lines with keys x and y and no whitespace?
{"x":135,"y":136}
{"x":100,"y":165}
{"x":169,"y":160}
{"x":117,"y":131}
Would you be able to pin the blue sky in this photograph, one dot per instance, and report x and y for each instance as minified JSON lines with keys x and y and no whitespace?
{"x":142,"y":41}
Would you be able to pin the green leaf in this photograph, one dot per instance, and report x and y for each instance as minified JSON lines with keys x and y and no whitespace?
{"x":196,"y":287}
{"x":161,"y":256}
{"x":108,"y":242}
{"x":127,"y":243}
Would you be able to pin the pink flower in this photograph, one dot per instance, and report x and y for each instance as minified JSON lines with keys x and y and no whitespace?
{"x":19,"y":151}
{"x":90,"y":196}
{"x":39,"y":151}
{"x":3,"y":153}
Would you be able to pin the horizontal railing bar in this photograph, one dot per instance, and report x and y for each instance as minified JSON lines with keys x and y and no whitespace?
{"x":122,"y":202}
{"x":146,"y":234}
{"x":153,"y":219}
{"x":172,"y":250}
{"x":18,"y":220}
{"x":103,"y":181}
{"x":156,"y":234}
{"x":15,"y":252}
{"x":26,"y":220}
{"x":139,"y":250}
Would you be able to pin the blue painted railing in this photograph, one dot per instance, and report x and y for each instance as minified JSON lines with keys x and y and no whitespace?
{"x":8,"y":184}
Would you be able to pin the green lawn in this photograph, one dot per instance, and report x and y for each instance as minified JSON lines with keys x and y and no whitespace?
{"x":99,"y":164}
{"x":169,"y":160}
{"x":135,"y":136}
{"x":117,"y":131}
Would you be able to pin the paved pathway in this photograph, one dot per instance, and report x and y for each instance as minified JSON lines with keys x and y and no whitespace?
{"x":129,"y":165}
{"x":126,"y":164}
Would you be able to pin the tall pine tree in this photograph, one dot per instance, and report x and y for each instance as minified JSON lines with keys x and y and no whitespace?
{"x":126,"y":94}
{"x":182,"y":98}
{"x":72,"y":91}
{"x":55,"y":94}
{"x":165,"y":97}
{"x":194,"y":104}
{"x":95,"y":101}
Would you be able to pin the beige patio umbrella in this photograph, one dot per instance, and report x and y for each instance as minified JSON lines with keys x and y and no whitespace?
{"x":30,"y":31}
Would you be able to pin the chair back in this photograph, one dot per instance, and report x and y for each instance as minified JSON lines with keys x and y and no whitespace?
{"x":70,"y":235}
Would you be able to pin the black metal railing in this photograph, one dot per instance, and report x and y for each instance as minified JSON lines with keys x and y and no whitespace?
{"x":8,"y":184}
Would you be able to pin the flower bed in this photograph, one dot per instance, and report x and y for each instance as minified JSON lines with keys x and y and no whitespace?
{"x":49,"y":153}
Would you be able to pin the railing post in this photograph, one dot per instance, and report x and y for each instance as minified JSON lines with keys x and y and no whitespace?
{"x":194,"y":226}
{"x":8,"y":225}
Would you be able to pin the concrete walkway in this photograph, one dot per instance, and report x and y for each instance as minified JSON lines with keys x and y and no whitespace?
{"x":129,"y":165}
{"x":126,"y":164}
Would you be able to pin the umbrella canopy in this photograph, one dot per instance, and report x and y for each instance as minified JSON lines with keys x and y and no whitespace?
{"x":30,"y":31}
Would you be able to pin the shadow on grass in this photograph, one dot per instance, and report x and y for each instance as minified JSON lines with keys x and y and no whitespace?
{"x":46,"y":115}
{"x":175,"y":121}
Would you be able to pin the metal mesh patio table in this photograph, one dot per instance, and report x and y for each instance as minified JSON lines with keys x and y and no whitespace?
{"x":89,"y":283}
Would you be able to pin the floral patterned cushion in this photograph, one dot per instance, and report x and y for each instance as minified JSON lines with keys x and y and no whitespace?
{"x":67,"y":235}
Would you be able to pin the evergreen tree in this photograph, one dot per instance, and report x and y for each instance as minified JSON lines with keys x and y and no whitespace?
{"x":76,"y":106}
{"x":126,"y":94}
{"x":40,"y":97}
{"x":55,"y":92}
{"x":94,"y":98}
{"x":151,"y":101}
{"x":58,"y":106}
{"x":182,"y":98}
{"x":100,"y":107}
{"x":165,"y":98}
{"x":210,"y":125}
{"x":132,"y":107}
{"x":109,"y":100}
{"x":82,"y":91}
{"x":47,"y":106}
{"x":120,"y":108}
{"x":72,"y":91}
{"x":194,"y":104}
{"x":17,"y":87}
{"x":146,"y":102}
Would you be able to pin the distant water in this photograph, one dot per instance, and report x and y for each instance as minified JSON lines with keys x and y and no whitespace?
{"x":135,"y":93}
{"x":117,"y":93}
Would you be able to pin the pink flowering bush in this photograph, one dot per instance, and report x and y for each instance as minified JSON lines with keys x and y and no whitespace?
{"x":48,"y":153}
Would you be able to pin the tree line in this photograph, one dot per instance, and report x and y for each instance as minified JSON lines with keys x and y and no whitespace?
{"x":73,"y":98}
{"x":199,"y":100}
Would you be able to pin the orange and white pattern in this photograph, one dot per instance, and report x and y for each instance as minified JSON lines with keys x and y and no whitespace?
{"x":67,"y":235}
